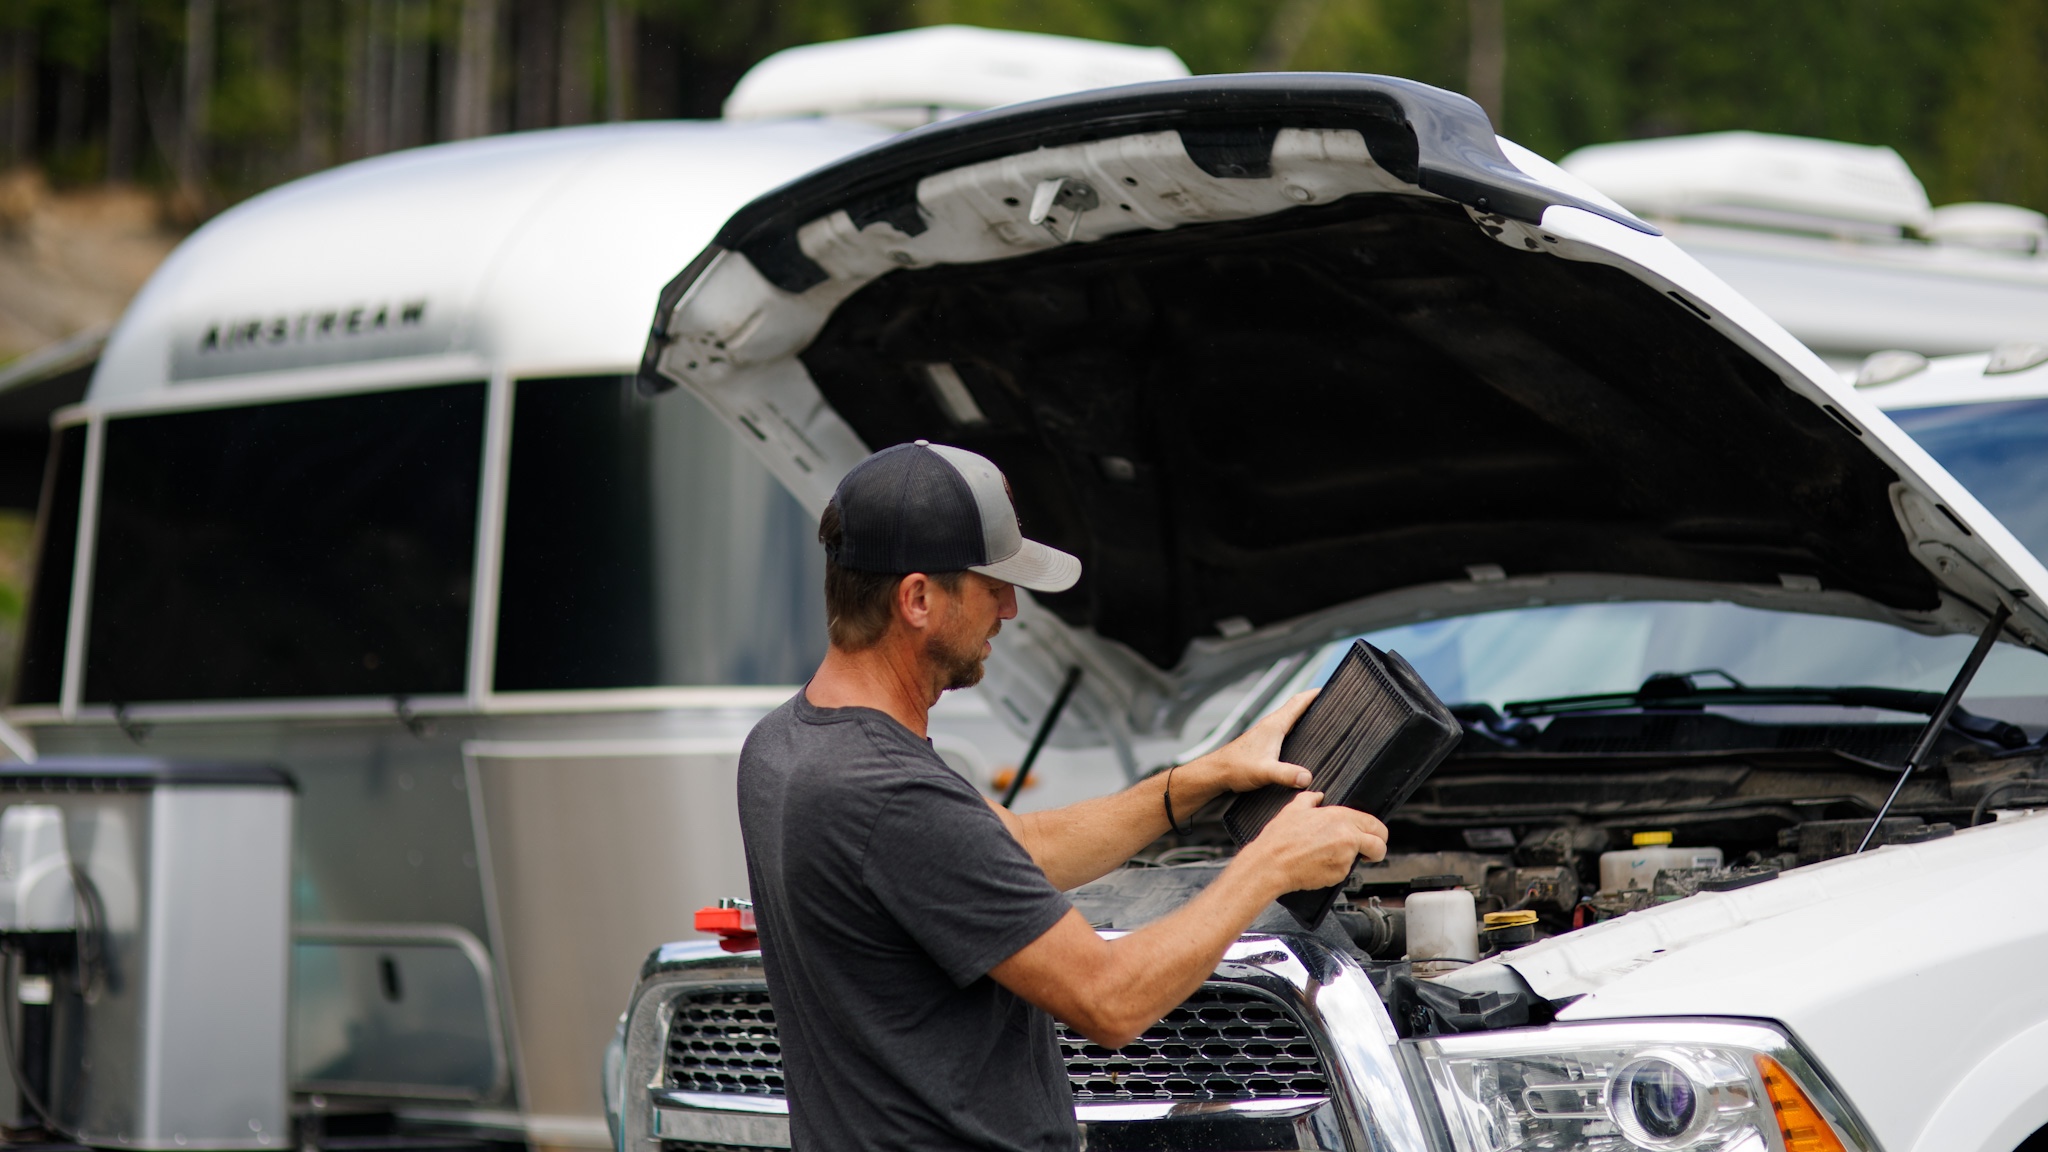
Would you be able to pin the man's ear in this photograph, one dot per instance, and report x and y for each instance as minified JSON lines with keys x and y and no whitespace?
{"x":914,"y":606}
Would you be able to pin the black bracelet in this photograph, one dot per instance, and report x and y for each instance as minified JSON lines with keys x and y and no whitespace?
{"x":1167,"y":797}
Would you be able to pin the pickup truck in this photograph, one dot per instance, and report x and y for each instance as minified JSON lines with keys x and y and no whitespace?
{"x":1753,"y":690}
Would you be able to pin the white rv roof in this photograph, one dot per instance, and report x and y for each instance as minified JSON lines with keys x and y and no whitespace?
{"x":1755,"y":177}
{"x":1836,"y":241}
{"x":540,"y":252}
{"x":908,"y":78}
{"x":1847,"y":300}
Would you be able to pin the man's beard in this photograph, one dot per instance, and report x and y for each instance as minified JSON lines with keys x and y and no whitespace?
{"x":958,"y":663}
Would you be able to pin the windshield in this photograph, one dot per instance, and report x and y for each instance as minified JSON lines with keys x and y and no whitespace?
{"x":1536,"y":653}
{"x":1999,"y":452}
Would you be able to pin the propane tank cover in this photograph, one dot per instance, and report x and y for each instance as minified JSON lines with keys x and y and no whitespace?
{"x":35,"y":870}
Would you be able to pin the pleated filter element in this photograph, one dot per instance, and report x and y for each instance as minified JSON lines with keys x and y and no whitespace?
{"x":1373,"y":735}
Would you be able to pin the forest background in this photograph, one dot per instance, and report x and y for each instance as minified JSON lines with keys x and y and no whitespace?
{"x":209,"y":101}
{"x":124,"y":123}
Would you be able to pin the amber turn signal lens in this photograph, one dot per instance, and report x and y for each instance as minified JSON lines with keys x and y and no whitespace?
{"x":1803,"y":1127}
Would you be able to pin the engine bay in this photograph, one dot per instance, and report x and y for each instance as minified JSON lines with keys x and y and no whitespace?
{"x":1533,"y":829}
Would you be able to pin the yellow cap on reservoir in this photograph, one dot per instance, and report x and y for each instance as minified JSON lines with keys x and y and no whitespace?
{"x":1508,"y":919}
{"x":1651,"y":839}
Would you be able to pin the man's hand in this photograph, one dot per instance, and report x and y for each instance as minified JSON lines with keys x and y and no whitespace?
{"x":1248,"y":762}
{"x":1253,"y":759}
{"x":1084,"y":841}
{"x":1112,"y":990}
{"x":1307,"y":846}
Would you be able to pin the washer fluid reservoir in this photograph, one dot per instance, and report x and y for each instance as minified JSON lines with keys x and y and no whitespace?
{"x":1443,"y":920}
{"x":1637,"y":867}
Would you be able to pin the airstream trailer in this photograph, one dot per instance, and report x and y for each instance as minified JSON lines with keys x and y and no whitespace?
{"x":362,"y":489}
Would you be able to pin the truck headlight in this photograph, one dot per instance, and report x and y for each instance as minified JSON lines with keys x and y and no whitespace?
{"x":1667,"y":1085}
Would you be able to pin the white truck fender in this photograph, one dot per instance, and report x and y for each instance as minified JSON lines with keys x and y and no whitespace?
{"x":1996,"y":1104}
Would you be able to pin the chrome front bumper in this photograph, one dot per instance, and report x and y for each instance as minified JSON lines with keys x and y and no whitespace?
{"x":1370,"y":1107}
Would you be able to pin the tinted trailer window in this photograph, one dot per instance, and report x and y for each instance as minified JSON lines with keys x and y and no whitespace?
{"x":39,"y":677}
{"x":646,"y":547}
{"x":305,"y":549}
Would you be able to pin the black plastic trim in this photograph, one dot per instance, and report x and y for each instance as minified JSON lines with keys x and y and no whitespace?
{"x":1232,"y":151}
{"x":896,"y":207}
{"x":135,"y":773}
{"x":778,"y":256}
{"x":1689,"y":305}
{"x":1438,"y":140}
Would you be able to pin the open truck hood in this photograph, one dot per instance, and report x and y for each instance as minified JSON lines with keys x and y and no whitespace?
{"x":1284,"y":358}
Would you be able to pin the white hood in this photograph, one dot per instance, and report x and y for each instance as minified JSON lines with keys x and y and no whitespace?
{"x":1285,"y":358}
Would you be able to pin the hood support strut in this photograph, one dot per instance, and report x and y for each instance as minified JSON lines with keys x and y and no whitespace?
{"x":1052,"y":717}
{"x":1935,"y":723}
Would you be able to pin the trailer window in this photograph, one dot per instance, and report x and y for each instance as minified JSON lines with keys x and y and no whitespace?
{"x":303,"y":549}
{"x":39,"y":677}
{"x":644,"y":547}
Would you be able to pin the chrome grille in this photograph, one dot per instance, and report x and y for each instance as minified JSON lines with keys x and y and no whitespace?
{"x":1226,"y":1042}
{"x":725,"y":1041}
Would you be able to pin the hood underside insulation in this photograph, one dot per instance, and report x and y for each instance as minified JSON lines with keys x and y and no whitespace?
{"x":1247,"y":422}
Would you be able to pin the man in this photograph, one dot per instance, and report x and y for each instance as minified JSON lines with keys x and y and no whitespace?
{"x":916,"y":940}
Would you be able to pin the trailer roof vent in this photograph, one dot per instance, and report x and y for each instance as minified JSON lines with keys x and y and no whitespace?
{"x":1991,"y":227}
{"x":904,"y":79}
{"x":1755,"y":179}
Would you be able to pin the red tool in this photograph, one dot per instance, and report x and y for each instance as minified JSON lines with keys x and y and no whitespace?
{"x":732,"y":921}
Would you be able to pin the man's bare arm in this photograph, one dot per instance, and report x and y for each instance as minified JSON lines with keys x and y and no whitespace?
{"x":1085,"y":841}
{"x":1112,"y":990}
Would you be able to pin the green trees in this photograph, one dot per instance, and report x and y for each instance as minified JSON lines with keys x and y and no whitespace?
{"x":220,"y":98}
{"x":1960,"y":87}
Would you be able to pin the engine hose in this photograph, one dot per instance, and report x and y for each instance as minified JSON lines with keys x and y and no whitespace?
{"x":1984,"y":805}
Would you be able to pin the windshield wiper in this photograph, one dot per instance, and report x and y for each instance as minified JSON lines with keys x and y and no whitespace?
{"x":1682,"y":691}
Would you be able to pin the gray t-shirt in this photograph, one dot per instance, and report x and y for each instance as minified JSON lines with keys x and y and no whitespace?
{"x":884,"y":890}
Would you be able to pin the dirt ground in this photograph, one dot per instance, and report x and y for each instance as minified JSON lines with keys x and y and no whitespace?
{"x":71,"y":260}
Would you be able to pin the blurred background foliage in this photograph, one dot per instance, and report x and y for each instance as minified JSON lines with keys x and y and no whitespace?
{"x":215,"y":99}
{"x":16,"y":531}
{"x":119,"y":117}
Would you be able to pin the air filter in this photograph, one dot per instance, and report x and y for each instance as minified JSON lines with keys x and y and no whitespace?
{"x":1372,"y":735}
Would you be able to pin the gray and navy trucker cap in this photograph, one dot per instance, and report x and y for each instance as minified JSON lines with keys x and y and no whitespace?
{"x":928,"y":507}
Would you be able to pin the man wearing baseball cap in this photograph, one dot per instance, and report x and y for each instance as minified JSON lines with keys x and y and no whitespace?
{"x":915,"y":937}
